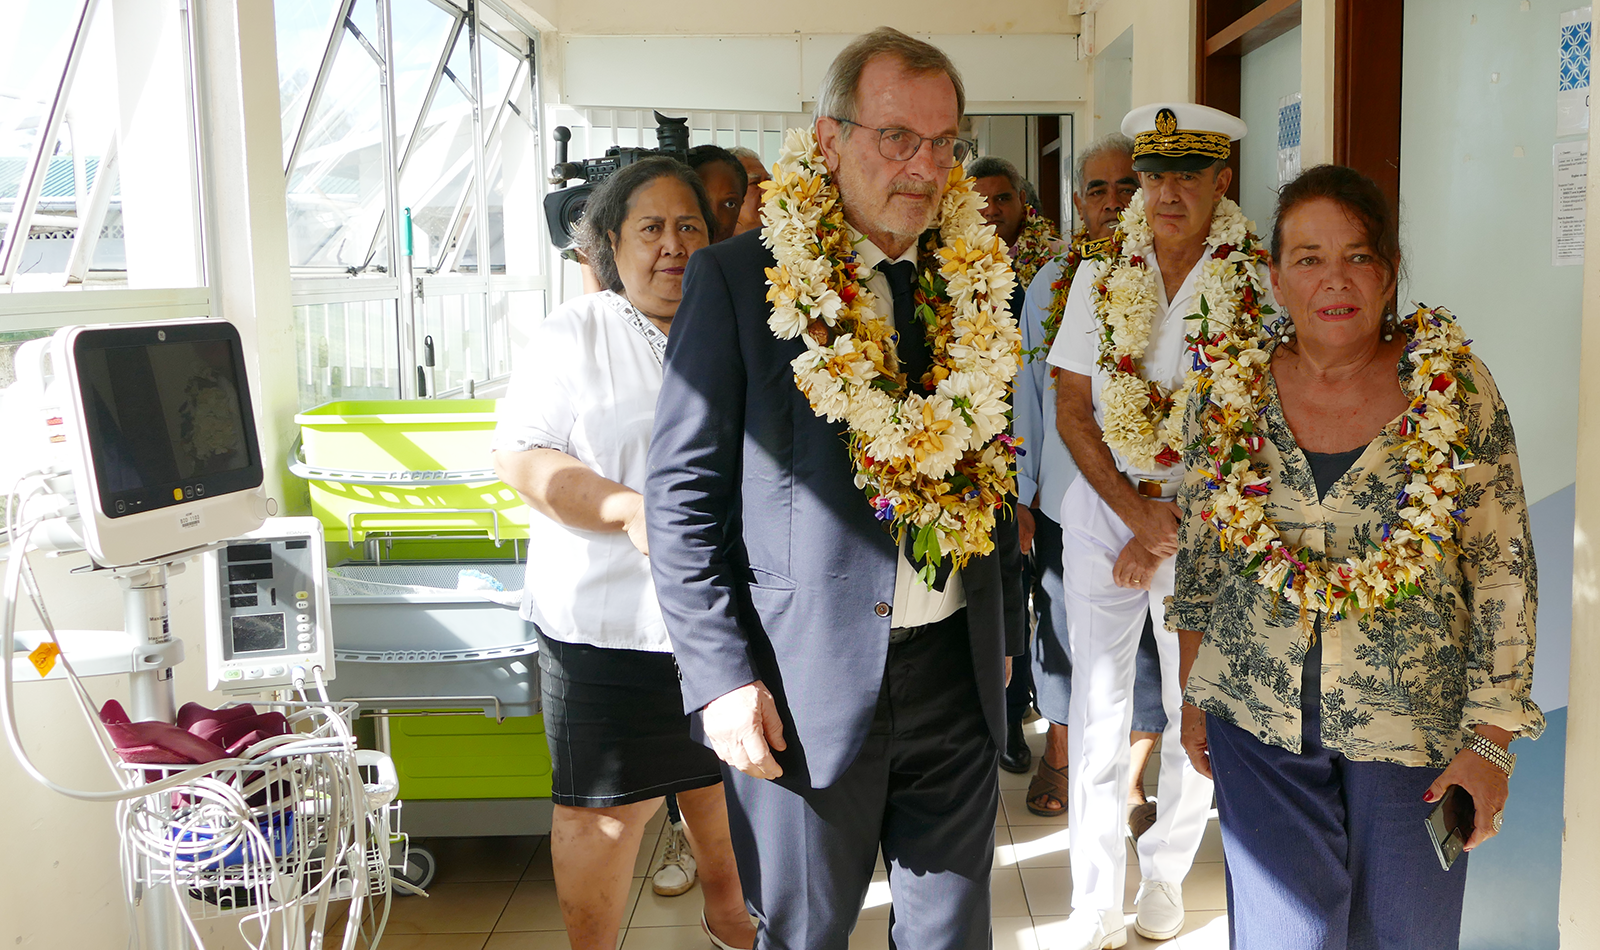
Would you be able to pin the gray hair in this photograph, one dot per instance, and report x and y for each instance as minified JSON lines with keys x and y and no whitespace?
{"x":992,"y":166}
{"x":1105,"y":145}
{"x":740,"y":152}
{"x":840,"y":93}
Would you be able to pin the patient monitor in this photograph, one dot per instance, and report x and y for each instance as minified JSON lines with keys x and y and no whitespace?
{"x":267,"y":608}
{"x":143,"y":433}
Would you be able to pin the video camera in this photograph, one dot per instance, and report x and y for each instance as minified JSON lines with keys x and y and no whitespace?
{"x":563,"y":206}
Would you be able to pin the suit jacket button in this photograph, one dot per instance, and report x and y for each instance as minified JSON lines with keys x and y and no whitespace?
{"x":882,"y":609}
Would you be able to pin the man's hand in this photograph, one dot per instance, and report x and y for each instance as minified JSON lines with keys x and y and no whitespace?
{"x":1008,"y":671}
{"x":1025,"y":527}
{"x":744,"y":727}
{"x":1135,"y":566}
{"x":1155,"y":525}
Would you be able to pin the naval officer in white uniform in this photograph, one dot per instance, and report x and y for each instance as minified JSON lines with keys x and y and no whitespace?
{"x":1120,"y":533}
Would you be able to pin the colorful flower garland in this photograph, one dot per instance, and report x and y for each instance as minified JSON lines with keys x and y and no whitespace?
{"x":1431,"y":443}
{"x":1036,"y":244}
{"x":1142,"y":421}
{"x":1050,"y":324}
{"x":935,"y":458}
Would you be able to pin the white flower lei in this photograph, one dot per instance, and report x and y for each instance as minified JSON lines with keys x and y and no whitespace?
{"x":938,"y":464}
{"x":1432,"y":442}
{"x":1142,"y":421}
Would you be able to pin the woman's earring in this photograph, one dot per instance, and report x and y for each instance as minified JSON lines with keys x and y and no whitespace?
{"x":1286,"y":331}
{"x":1388,"y":326}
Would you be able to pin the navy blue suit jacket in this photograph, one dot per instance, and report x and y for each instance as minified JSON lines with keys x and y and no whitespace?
{"x":768,"y":561}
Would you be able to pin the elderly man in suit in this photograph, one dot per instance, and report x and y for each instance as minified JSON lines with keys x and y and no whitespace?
{"x":853,"y":685}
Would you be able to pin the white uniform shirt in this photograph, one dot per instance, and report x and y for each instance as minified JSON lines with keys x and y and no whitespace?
{"x":1046,"y":470}
{"x":914,"y":603}
{"x":1077,"y":347}
{"x":586,"y":385}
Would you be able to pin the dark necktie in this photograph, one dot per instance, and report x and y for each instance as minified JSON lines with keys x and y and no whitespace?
{"x":912,"y":347}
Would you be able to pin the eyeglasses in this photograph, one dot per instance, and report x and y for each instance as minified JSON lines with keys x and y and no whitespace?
{"x":902,"y":145}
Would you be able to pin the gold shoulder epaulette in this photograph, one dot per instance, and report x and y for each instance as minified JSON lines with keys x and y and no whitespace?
{"x":1096,"y":248}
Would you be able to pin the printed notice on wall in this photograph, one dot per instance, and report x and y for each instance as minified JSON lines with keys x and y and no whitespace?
{"x":1572,"y":89}
{"x":1572,"y":179}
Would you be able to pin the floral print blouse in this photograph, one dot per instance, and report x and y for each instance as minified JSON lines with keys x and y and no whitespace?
{"x":1400,"y":685}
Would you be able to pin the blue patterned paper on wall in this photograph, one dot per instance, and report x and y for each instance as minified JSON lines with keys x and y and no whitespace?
{"x":1572,"y":88}
{"x":1288,"y":138}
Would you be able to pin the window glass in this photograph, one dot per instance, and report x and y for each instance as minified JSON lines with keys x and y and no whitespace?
{"x":421,"y":29}
{"x":336,"y":187}
{"x":302,"y":28}
{"x":76,"y":233}
{"x":347,"y":351}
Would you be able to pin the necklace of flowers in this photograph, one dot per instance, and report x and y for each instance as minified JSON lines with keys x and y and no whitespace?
{"x":1035,"y":245}
{"x":934,"y":458}
{"x":1142,"y":421}
{"x":1050,"y":324}
{"x":1430,"y":439}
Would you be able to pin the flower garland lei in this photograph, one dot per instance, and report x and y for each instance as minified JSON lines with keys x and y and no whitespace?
{"x":1078,"y":248}
{"x":1142,"y":421}
{"x":934,"y":458}
{"x":1035,"y":245}
{"x":1431,"y":442}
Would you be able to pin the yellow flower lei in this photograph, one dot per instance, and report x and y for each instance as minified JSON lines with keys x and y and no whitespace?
{"x":1431,"y":441}
{"x":937,"y":462}
{"x":1141,"y":420}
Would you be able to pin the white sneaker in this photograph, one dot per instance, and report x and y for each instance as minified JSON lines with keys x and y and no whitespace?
{"x":676,"y":872}
{"x":1086,"y":930}
{"x":1160,"y":906}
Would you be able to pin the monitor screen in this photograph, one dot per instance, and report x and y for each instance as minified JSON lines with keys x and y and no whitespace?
{"x":167,"y":414}
{"x":259,"y":633}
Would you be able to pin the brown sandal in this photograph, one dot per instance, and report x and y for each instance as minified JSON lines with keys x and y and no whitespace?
{"x":1049,"y":784}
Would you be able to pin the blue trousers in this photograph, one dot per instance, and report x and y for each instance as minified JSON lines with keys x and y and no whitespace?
{"x":1051,"y":673}
{"x":1327,"y":853}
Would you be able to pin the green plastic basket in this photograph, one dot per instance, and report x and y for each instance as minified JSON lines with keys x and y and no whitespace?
{"x":470,"y":757}
{"x":406,"y":466}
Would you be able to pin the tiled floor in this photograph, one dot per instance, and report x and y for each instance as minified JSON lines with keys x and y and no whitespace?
{"x":499,"y":893}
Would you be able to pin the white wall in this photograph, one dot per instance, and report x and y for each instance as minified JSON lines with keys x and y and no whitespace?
{"x":1113,"y":85}
{"x":1266,"y":75}
{"x":1477,"y":126}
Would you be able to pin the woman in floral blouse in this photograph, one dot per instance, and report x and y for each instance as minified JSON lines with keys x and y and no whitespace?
{"x":1365,"y":639}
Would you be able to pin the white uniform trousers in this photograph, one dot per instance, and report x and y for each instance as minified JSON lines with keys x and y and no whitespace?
{"x":1104,"y":623}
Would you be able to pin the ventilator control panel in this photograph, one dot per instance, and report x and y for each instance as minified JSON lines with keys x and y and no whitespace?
{"x":267,"y":608}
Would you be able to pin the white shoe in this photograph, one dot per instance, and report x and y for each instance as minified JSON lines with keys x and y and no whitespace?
{"x":1160,"y":906}
{"x":1086,"y":930}
{"x":676,"y":872}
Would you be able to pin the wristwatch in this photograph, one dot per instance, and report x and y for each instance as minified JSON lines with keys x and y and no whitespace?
{"x":1496,"y":756}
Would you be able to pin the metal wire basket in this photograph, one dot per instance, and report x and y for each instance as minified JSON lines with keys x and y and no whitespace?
{"x":296,"y":826}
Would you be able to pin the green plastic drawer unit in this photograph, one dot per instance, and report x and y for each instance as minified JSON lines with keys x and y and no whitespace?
{"x":470,"y":757}
{"x":399,"y":466}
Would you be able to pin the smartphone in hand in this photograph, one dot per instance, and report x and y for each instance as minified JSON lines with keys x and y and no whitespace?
{"x":1450,"y":824}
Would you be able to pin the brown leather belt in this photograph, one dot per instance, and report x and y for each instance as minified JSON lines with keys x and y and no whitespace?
{"x":1151,"y":488}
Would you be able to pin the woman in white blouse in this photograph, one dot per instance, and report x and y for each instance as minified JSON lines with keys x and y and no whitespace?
{"x":572,"y":437}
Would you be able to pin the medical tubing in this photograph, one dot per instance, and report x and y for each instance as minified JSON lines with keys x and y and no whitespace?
{"x":8,"y":718}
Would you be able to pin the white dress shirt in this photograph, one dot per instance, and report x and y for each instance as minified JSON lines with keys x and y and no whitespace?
{"x":586,"y":385}
{"x":914,"y":603}
{"x":1046,"y":469}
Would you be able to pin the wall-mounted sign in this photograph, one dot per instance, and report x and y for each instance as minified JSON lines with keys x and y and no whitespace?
{"x":1572,"y":179}
{"x":1288,"y":138}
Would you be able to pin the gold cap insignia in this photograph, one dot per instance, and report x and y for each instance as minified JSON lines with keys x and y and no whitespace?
{"x":1166,"y":122}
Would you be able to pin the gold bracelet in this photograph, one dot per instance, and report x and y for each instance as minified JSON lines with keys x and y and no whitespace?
{"x":1492,"y":753}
